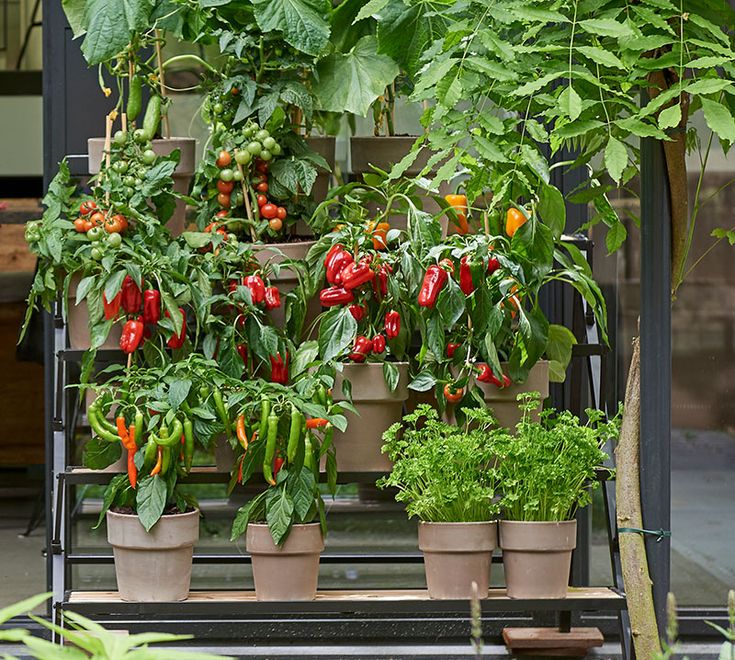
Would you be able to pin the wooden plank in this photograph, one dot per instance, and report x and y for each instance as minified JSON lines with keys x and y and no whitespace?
{"x":14,"y":253}
{"x":386,"y":595}
{"x":551,"y":641}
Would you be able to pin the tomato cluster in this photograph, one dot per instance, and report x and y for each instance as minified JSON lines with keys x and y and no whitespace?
{"x":132,"y":162}
{"x":99,"y":225}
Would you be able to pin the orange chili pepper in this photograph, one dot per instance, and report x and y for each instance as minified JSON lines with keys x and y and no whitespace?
{"x":242,"y":437}
{"x":316,"y":422}
{"x":159,"y":460}
{"x":459,"y":204}
{"x":132,"y":469}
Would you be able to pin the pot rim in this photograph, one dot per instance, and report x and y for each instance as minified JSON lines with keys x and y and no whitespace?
{"x":265,"y":524}
{"x":474,"y":522}
{"x":538,"y":522}
{"x":117,"y":514}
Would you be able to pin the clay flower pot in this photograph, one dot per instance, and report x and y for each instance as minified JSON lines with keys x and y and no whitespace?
{"x":153,"y":566}
{"x":456,"y":554}
{"x":537,"y":557}
{"x":358,"y":448}
{"x":182,"y":175}
{"x":77,"y":320}
{"x":288,"y":572}
{"x":503,"y":401}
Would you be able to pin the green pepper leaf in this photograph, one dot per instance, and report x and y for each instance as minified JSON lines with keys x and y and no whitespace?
{"x":336,"y":332}
{"x":151,"y":501}
{"x":279,"y":509}
{"x":99,"y":454}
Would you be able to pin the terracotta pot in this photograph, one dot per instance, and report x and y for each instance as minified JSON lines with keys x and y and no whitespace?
{"x":358,"y":448}
{"x":224,"y":454}
{"x":287,"y":278}
{"x":503,"y":401}
{"x":537,"y":557}
{"x":289,"y":572}
{"x":182,"y":175}
{"x":77,"y":321}
{"x":153,"y":566}
{"x":384,"y":153}
{"x":456,"y":554}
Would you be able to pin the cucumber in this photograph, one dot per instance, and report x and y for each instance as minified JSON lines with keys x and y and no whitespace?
{"x":152,"y":117}
{"x":135,"y":98}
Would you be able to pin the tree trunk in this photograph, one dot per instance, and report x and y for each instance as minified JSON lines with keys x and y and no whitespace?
{"x":628,"y":494}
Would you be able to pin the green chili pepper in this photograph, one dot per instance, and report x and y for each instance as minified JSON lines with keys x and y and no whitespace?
{"x":308,"y":454}
{"x":150,"y":455}
{"x":265,"y":409}
{"x":270,"y":448}
{"x":294,"y":435}
{"x":188,"y":444}
{"x":135,"y":98}
{"x":165,"y":459}
{"x":93,"y":415}
{"x":321,"y":395}
{"x":138,"y":428}
{"x":222,"y":412}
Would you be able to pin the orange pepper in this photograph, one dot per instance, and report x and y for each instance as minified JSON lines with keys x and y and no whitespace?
{"x":379,"y":230}
{"x":459,"y":204}
{"x":514,"y":219}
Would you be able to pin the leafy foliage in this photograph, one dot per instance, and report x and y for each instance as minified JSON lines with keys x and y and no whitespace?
{"x":444,"y":473}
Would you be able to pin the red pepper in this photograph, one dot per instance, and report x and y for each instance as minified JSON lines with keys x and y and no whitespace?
{"x":434,"y":281}
{"x":257,"y":288}
{"x":112,"y":308}
{"x":151,"y":306}
{"x":277,"y":465}
{"x":147,"y":329}
{"x":378,"y":344}
{"x":451,"y":348}
{"x":487,"y":376}
{"x":492,"y":265}
{"x":272,"y":297}
{"x":132,"y":333}
{"x":355,"y":275}
{"x":132,"y":298}
{"x":335,"y":295}
{"x":465,"y":277}
{"x":448,"y":265}
{"x":392,"y":324}
{"x":361,"y":349}
{"x":316,"y":423}
{"x":380,"y":283}
{"x":333,"y":252}
{"x":358,"y":312}
{"x":242,"y":349}
{"x":339,"y":261}
{"x":279,"y":369}
{"x":177,"y":341}
{"x":132,"y":469}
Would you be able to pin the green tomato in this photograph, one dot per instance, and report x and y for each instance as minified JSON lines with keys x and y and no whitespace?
{"x":138,"y":182}
{"x":237,"y":175}
{"x":236,"y":198}
{"x":139,"y":136}
{"x":114,"y":240}
{"x":96,"y":254}
{"x":120,"y":138}
{"x":128,"y":191}
{"x":255,"y":148}
{"x":95,"y":234}
{"x":265,"y":155}
{"x":276,"y":151}
{"x":269,"y":143}
{"x":149,"y":157}
{"x":120,"y":166}
{"x":261,"y":135}
{"x":243,"y":156}
{"x":129,"y":181}
{"x":249,"y":132}
{"x":226,"y":174}
{"x":217,"y":108}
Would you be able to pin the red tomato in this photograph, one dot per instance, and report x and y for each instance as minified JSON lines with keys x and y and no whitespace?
{"x":223,"y":159}
{"x":87,"y":207}
{"x":281,"y":213}
{"x":97,"y":219}
{"x":269,"y":211}
{"x":275,"y":224}
{"x":115,"y":224}
{"x":262,"y":199}
{"x":262,"y":187}
{"x":223,"y":199}
{"x":222,"y":214}
{"x":80,"y":224}
{"x":262,"y":166}
{"x":225,"y":186}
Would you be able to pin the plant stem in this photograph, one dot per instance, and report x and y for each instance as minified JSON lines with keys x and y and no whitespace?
{"x":162,"y":85}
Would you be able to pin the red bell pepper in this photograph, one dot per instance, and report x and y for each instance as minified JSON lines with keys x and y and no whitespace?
{"x":113,"y":307}
{"x":392,"y":324}
{"x":335,"y":295}
{"x":358,"y":312}
{"x":279,"y":369}
{"x":132,"y":333}
{"x":339,"y":260}
{"x":434,"y":281}
{"x":132,"y":298}
{"x":256,"y":286}
{"x":242,"y":350}
{"x":451,"y":348}
{"x":356,"y":274}
{"x":177,"y":341}
{"x":151,"y":306}
{"x":465,"y":277}
{"x":380,"y":283}
{"x":378,"y":344}
{"x":361,"y":349}
{"x":492,"y":265}
{"x":272,"y":297}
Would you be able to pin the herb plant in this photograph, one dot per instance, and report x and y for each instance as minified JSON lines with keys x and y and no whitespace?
{"x":547,"y":467}
{"x":445,"y":473}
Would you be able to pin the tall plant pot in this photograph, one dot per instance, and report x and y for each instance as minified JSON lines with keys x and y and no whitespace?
{"x":77,"y":320}
{"x":287,"y":278}
{"x":182,"y":175}
{"x":153,"y":566}
{"x":537,"y":557}
{"x":503,"y":401}
{"x":384,"y":153}
{"x":457,"y":554}
{"x":288,"y":572}
{"x":358,"y":448}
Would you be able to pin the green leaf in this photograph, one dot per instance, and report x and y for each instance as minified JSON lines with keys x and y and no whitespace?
{"x":719,"y":119}
{"x":303,"y":22}
{"x":616,"y":158}
{"x":423,"y":382}
{"x":369,"y":9}
{"x":601,"y":56}
{"x":110,"y":26}
{"x":178,"y":391}
{"x":352,"y":81}
{"x":337,"y":331}
{"x":570,"y":102}
{"x":113,"y":284}
{"x":640,"y":128}
{"x":391,"y":375}
{"x":669,"y":117}
{"x":559,"y":351}
{"x":552,"y":210}
{"x":615,"y":237}
{"x":302,"y":493}
{"x":244,"y":515}
{"x":488,"y":150}
{"x":294,"y":175}
{"x":493,"y":70}
{"x":22,"y":607}
{"x":117,"y":483}
{"x":150,"y":501}
{"x":605,"y":27}
{"x":99,"y":454}
{"x":279,"y":509}
{"x":74,"y":10}
{"x":303,"y":357}
{"x":709,"y":86}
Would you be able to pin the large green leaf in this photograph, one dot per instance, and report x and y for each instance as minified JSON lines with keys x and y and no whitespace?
{"x":99,"y":454}
{"x":352,"y":81}
{"x":303,"y":22}
{"x":151,"y":501}
{"x":74,"y":10}
{"x":719,"y":119}
{"x":559,"y":351}
{"x":336,"y":332}
{"x":279,"y":509}
{"x":110,"y":25}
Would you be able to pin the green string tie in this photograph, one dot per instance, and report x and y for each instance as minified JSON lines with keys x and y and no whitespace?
{"x":660,"y":534}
